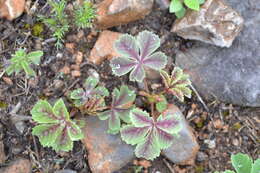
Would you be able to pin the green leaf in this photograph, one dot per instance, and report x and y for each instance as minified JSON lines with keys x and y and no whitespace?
{"x":228,"y":171}
{"x":42,"y":113}
{"x":28,"y":70}
{"x":161,"y":105}
{"x":192,"y":4}
{"x":10,"y":69}
{"x":256,"y":166}
{"x":175,"y":6}
{"x":77,"y":94}
{"x":181,"y":13}
{"x":47,"y":133}
{"x":242,"y":163}
{"x":75,"y":132}
{"x":60,"y":109}
{"x":35,"y":57}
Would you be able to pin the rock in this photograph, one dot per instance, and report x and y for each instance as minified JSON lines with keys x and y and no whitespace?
{"x":117,"y":12}
{"x":2,"y":153}
{"x":18,"y":166}
{"x":106,"y":153}
{"x":229,"y":75}
{"x":184,"y":149}
{"x":216,"y":23}
{"x":11,"y":9}
{"x":104,"y":47}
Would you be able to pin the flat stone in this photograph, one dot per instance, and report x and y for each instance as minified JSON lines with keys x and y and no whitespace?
{"x":229,"y":75}
{"x":184,"y":148}
{"x":106,"y":153}
{"x":117,"y":12}
{"x":11,"y":9}
{"x":2,"y":153}
{"x":104,"y":47}
{"x":18,"y":166}
{"x":216,"y":23}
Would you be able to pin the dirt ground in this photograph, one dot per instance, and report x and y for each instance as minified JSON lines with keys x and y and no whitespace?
{"x":221,"y":131}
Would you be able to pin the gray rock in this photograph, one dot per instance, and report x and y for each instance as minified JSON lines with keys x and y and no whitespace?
{"x":65,"y":171}
{"x":106,"y":153}
{"x":163,"y":4}
{"x":230,"y":75}
{"x":184,"y":148}
{"x":216,"y":23}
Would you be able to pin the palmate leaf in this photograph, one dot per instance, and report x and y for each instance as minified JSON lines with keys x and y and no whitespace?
{"x":192,"y":4}
{"x":122,"y":103}
{"x":137,"y":54}
{"x":149,"y":135}
{"x":177,"y":84}
{"x":91,"y":90}
{"x":55,"y":128}
{"x":176,"y":5}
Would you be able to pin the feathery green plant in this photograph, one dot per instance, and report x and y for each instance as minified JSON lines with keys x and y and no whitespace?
{"x":84,"y":15}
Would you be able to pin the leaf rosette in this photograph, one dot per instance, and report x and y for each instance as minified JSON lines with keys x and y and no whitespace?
{"x":55,"y":128}
{"x":137,"y":54}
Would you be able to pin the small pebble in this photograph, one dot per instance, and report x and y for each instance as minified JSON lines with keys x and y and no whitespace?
{"x":75,"y":73}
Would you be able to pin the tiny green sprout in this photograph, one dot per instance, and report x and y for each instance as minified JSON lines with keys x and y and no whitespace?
{"x":90,"y":99}
{"x":177,"y":6}
{"x":177,"y":83}
{"x":55,"y":128}
{"x":84,"y":15}
{"x":243,"y":164}
{"x":150,"y":135}
{"x":22,"y":61}
{"x":122,"y":103}
{"x":137,"y":54}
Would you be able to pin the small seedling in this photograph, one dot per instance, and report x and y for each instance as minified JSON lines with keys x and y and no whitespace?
{"x":177,"y":83}
{"x":122,"y":103}
{"x":90,"y":100}
{"x":22,"y":61}
{"x":84,"y":15}
{"x":242,"y":163}
{"x":150,"y":136}
{"x":137,"y":54}
{"x":178,"y":6}
{"x":55,"y":128}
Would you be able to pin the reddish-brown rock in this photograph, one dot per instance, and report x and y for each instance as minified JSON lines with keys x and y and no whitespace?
{"x":185,"y":147}
{"x":11,"y":9}
{"x":216,"y":23}
{"x":106,"y":153}
{"x":18,"y":166}
{"x":104,"y":47}
{"x":117,"y":12}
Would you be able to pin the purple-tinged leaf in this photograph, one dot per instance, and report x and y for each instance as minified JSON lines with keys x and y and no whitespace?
{"x":133,"y":135}
{"x":140,"y":118}
{"x":90,"y":83}
{"x":148,"y":148}
{"x":156,"y":61}
{"x":42,"y":113}
{"x":149,"y":135}
{"x":55,"y":128}
{"x":137,"y":55}
{"x":148,"y":43}
{"x":122,"y":103}
{"x":138,"y":74}
{"x":127,"y":47}
{"x":122,"y":66}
